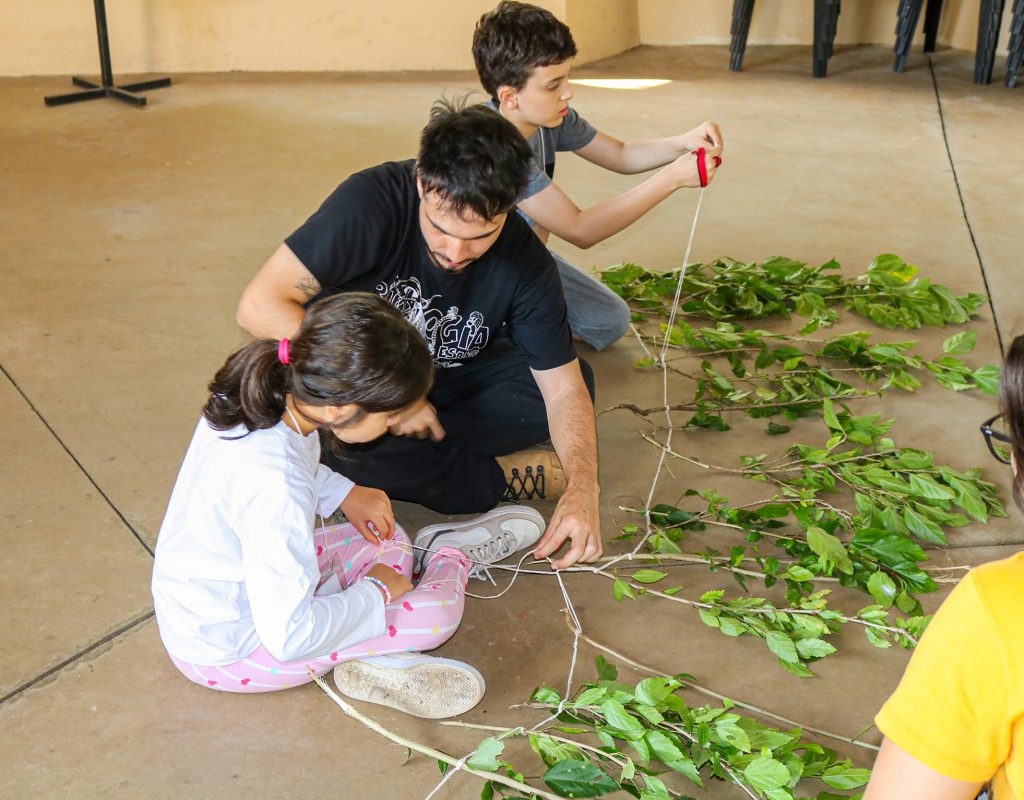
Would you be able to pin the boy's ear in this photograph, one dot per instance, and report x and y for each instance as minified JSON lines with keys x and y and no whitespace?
{"x":508,"y":97}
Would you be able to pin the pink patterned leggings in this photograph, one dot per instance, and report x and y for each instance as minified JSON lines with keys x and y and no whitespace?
{"x":422,"y":619}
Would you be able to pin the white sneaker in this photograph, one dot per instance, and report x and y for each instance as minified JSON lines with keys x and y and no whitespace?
{"x":424,"y":686}
{"x":486,"y":539}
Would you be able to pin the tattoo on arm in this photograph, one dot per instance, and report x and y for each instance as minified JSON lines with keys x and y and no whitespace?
{"x":309,"y":287}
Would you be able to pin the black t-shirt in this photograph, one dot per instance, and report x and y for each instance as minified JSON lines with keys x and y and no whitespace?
{"x":366,"y":237}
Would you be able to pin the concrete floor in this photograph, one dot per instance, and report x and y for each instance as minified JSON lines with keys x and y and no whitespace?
{"x":127,"y":237}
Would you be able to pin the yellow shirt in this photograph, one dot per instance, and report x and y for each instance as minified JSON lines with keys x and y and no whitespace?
{"x":959,"y":708}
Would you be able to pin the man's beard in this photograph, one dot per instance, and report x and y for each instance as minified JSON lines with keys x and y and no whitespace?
{"x":449,"y":270}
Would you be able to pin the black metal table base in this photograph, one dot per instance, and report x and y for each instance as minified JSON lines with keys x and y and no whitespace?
{"x":106,"y":88}
{"x":126,"y":93}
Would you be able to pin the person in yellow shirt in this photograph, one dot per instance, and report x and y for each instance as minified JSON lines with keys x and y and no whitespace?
{"x":955,"y":724}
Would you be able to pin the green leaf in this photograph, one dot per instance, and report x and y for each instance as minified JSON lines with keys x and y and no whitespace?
{"x":733,"y":734}
{"x":662,"y":748}
{"x":606,"y":671}
{"x":486,"y":755}
{"x":620,"y":719}
{"x":653,"y":691}
{"x":810,"y":649}
{"x":623,"y":589}
{"x":795,"y":572}
{"x":829,"y":412}
{"x":591,"y":696}
{"x":546,"y":695}
{"x":829,"y":548}
{"x":782,"y":646}
{"x":962,"y":342}
{"x":654,"y":789}
{"x":923,"y":529}
{"x":572,"y":778}
{"x":987,"y":378}
{"x":924,"y":486}
{"x":648,"y":576}
{"x":846,"y":777}
{"x":487,"y":792}
{"x":766,"y":773}
{"x":882,"y":589}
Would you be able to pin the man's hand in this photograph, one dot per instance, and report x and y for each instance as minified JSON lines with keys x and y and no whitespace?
{"x":706,"y":135}
{"x":576,"y":518}
{"x":370,"y":510}
{"x":420,"y":421}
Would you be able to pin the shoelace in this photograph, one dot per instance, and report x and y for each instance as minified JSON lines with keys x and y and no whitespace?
{"x":529,"y":485}
{"x":490,"y":551}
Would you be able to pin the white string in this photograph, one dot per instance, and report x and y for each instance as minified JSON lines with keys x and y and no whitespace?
{"x":660,"y":362}
{"x":577,"y":633}
{"x":569,"y":607}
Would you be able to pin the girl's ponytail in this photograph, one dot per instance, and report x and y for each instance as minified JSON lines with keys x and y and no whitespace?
{"x":249,"y":389}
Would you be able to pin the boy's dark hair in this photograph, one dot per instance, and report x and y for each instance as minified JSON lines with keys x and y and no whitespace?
{"x":473,"y":159}
{"x":1011,"y":403}
{"x":513,"y":40}
{"x":352,"y":348}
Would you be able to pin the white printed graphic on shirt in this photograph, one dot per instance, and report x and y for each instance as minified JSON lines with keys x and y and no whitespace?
{"x":450,"y":336}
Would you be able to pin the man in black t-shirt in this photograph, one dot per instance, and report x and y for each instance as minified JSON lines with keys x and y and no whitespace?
{"x":435,"y":238}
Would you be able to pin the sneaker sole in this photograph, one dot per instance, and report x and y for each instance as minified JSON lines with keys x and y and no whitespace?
{"x":429,"y":691}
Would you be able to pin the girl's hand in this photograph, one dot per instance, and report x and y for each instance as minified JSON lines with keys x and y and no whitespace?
{"x":370,"y":509}
{"x":396,"y":582}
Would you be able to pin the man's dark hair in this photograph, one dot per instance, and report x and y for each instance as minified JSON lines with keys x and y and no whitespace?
{"x":513,"y":40}
{"x":473,"y":159}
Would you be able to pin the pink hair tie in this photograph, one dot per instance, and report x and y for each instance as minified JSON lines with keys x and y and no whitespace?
{"x":284,"y":352}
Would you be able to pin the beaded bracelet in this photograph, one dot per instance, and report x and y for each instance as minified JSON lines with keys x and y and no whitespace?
{"x":383,"y":587}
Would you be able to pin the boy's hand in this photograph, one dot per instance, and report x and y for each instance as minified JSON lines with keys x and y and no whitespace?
{"x":420,"y":421}
{"x":688,"y":173}
{"x":396,"y":582}
{"x":370,"y":510}
{"x":706,"y":135}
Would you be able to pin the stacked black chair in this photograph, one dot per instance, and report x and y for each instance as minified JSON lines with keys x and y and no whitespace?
{"x":742,"y":11}
{"x":826,"y":18}
{"x":907,"y":16}
{"x":990,"y":17}
{"x":1013,"y":63}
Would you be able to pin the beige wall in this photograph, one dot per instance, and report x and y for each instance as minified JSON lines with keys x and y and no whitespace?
{"x":58,"y":37}
{"x":602,"y":28}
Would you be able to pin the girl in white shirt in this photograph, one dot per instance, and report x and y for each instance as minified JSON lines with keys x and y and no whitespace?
{"x":248,"y":594}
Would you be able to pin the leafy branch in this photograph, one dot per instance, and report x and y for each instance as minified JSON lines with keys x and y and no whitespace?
{"x":900,"y":494}
{"x":792,"y":375}
{"x":793,"y":634}
{"x":888,"y":294}
{"x":650,"y":739}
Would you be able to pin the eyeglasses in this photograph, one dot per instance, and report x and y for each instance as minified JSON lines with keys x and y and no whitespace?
{"x":993,"y":429}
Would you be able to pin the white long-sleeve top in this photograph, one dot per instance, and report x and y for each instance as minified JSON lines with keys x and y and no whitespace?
{"x":236,"y":566}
